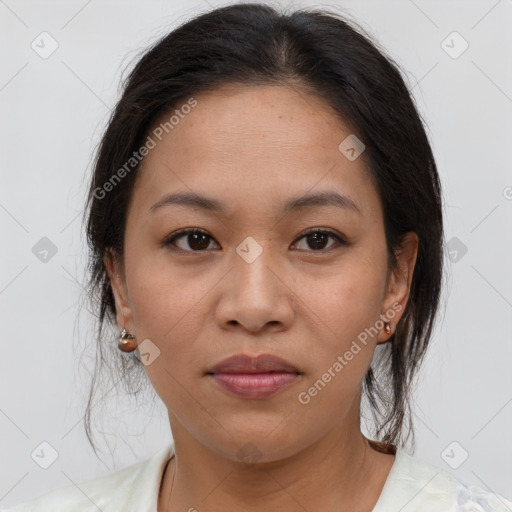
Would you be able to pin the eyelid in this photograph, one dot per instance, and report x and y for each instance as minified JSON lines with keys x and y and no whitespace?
{"x":327,"y":231}
{"x":340,"y":239}
{"x":169,"y":240}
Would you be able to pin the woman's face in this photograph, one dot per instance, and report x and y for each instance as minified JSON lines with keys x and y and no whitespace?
{"x":255,"y":283}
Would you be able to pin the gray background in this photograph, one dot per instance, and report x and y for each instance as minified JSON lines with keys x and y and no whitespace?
{"x":52,"y":113}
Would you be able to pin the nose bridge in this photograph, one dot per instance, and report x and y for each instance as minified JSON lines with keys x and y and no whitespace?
{"x":252,"y":267}
{"x":255,"y":294}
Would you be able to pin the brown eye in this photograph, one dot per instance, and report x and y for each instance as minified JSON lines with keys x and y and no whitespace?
{"x":196,"y":240}
{"x":317,"y":240}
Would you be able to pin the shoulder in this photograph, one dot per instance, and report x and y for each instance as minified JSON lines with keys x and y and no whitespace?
{"x":472,"y":498}
{"x":131,"y":486}
{"x":417,"y":486}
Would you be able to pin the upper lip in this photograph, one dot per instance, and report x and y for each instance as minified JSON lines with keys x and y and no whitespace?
{"x":261,"y":363}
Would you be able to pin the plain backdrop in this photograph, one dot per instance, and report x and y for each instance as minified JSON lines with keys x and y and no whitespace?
{"x":53,"y":109}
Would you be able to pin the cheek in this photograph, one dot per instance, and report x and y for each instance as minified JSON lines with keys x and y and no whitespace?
{"x":169,"y":308}
{"x":349,"y":297}
{"x":342,"y":350}
{"x":162,"y":296}
{"x":346,"y":304}
{"x":171,"y":314}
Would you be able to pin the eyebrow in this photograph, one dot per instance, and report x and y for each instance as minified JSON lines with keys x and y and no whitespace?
{"x":326,"y":198}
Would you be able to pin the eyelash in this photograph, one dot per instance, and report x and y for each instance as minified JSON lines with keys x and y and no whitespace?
{"x":169,"y":241}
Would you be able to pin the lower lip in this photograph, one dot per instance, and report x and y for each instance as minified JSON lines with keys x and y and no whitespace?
{"x":254,"y":385}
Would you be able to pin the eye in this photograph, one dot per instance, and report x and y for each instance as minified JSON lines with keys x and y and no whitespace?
{"x":196,"y":239}
{"x":199,"y":240}
{"x":317,"y":238}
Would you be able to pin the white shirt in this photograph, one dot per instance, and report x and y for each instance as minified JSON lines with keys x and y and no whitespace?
{"x":411,"y":486}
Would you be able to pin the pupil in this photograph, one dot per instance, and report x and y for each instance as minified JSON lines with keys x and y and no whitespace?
{"x":316,"y":241}
{"x":195,"y":237}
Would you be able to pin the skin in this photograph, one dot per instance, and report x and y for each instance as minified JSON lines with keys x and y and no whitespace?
{"x":253,"y":148}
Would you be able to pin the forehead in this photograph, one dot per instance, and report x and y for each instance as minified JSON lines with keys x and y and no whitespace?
{"x":249,"y":143}
{"x":247,"y":118}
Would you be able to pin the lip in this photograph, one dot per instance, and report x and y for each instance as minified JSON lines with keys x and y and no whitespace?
{"x":261,"y":363}
{"x":254,"y":377}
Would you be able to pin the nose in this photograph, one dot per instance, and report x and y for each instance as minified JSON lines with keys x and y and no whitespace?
{"x":256,"y":296}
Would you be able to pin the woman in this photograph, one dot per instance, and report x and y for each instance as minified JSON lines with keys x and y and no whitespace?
{"x":265,"y":220}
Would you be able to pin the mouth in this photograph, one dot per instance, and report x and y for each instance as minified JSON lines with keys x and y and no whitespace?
{"x":256,"y":377}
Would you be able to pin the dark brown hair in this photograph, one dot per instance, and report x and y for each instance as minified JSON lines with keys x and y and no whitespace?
{"x":255,"y":44}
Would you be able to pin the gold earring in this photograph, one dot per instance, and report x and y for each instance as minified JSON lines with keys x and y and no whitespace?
{"x":387,"y":327}
{"x":127,"y":342}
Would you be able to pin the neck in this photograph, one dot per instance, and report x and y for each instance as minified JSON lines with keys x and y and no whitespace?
{"x":339,"y":471}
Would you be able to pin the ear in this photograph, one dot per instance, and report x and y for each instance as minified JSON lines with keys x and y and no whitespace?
{"x":399,"y":284}
{"x":116,"y":274}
